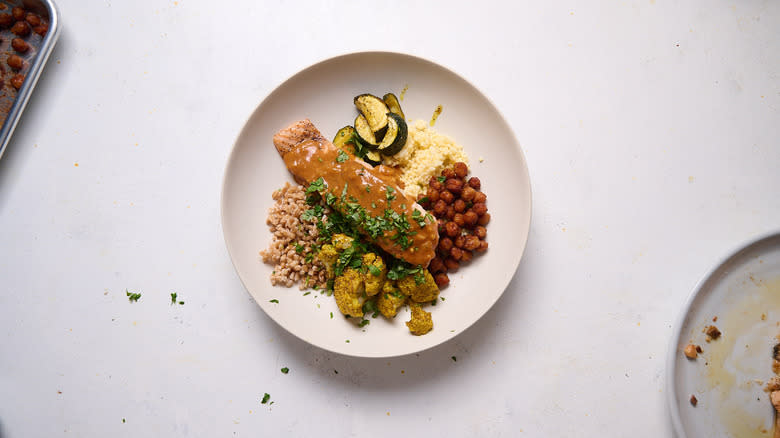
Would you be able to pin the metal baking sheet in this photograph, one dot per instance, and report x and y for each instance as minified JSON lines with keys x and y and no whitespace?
{"x":12,"y":102}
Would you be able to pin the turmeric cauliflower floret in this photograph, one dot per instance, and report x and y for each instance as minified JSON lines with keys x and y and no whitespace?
{"x":390,"y":300}
{"x":375,"y":273}
{"x":423,"y":292}
{"x":341,"y":241}
{"x":348,"y":289}
{"x":328,"y":256}
{"x":421,"y":322}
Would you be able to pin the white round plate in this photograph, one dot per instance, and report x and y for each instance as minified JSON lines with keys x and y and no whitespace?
{"x":323,"y":93}
{"x":727,"y":379}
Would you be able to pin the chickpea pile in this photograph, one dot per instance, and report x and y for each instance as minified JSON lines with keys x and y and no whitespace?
{"x":461,"y":211}
{"x":21,"y":24}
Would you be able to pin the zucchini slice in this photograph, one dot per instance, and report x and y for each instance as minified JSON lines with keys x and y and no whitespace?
{"x":395,"y":137}
{"x":364,"y":132}
{"x":343,"y":137}
{"x":393,"y":105}
{"x":374,"y":110}
{"x":373,"y":158}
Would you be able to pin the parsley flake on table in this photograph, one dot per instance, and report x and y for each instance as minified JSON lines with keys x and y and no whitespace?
{"x":173,"y":299}
{"x":274,"y":301}
{"x":285,"y":370}
{"x":265,"y":399}
{"x":132,"y":296}
{"x":454,"y":359}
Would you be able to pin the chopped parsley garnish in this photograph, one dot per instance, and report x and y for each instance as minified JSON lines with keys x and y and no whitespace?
{"x":306,"y":293}
{"x":364,"y":323}
{"x":123,"y":421}
{"x":423,"y":200}
{"x":441,"y":178}
{"x":265,"y":399}
{"x":368,"y":189}
{"x":454,"y":359}
{"x":285,"y":370}
{"x":419,"y":218}
{"x":373,"y":205}
{"x":331,"y":315}
{"x":132,"y":296}
{"x":317,"y":185}
{"x":402,"y":270}
{"x":376,"y":272}
{"x":342,"y":157}
{"x":274,"y":301}
{"x":308,"y":258}
{"x":370,"y":307}
{"x":390,"y":193}
{"x":298,"y":248}
{"x":173,"y":297}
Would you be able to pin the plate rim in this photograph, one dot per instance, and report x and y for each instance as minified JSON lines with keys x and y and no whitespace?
{"x":516,"y":146}
{"x":671,"y":353}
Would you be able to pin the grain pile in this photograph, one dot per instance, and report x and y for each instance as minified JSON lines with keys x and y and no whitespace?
{"x":292,"y":248}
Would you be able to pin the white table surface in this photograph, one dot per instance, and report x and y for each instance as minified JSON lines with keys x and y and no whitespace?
{"x":652,"y":134}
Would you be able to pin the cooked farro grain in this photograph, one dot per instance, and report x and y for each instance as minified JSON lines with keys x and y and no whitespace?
{"x":293,"y":241}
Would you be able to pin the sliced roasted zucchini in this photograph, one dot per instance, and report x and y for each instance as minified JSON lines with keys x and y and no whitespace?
{"x":395,"y":137}
{"x":375,"y":111}
{"x":393,"y":105}
{"x":373,"y":158}
{"x":364,"y":132}
{"x":343,"y":137}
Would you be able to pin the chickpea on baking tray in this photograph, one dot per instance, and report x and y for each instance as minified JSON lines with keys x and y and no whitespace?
{"x":460,"y":208}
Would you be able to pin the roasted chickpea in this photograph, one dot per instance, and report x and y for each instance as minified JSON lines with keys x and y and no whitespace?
{"x":437,"y":265}
{"x":6,"y":20}
{"x":460,"y":205}
{"x":450,"y":212}
{"x":483,"y":246}
{"x":17,"y":81}
{"x":484,"y":219}
{"x":433,"y":195}
{"x":41,"y":30}
{"x":441,"y":279}
{"x":439,"y":208}
{"x":467,"y":256}
{"x":470,"y":218}
{"x":33,"y":19}
{"x":480,"y":232}
{"x":20,"y":45}
{"x":475,"y":183}
{"x":446,"y":196}
{"x":451,"y":264}
{"x":480,"y":197}
{"x":452,"y":229}
{"x":458,"y":219}
{"x":459,"y":241}
{"x":434,"y":183}
{"x":454,"y":185}
{"x":445,"y":244}
{"x":472,"y":243}
{"x":21,"y":28}
{"x":479,"y":208}
{"x":448,"y":173}
{"x":468,"y":193}
{"x":456,"y":253}
{"x":15,"y":62}
{"x":461,"y":170}
{"x":18,"y":13}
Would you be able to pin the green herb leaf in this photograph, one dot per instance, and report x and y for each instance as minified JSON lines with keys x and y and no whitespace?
{"x":265,"y":399}
{"x":306,"y":293}
{"x":274,"y":301}
{"x":441,"y":178}
{"x":317,"y":185}
{"x":376,"y":272}
{"x":342,"y":157}
{"x":454,"y":359}
{"x":364,"y":323}
{"x":331,"y":315}
{"x":132,"y":296}
{"x":298,"y":248}
{"x":285,"y":370}
{"x":173,"y":297}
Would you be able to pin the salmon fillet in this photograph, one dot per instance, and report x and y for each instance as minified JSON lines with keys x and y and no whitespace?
{"x":309,"y":156}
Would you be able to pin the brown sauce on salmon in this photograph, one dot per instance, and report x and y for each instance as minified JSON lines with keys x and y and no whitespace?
{"x":377,"y":190}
